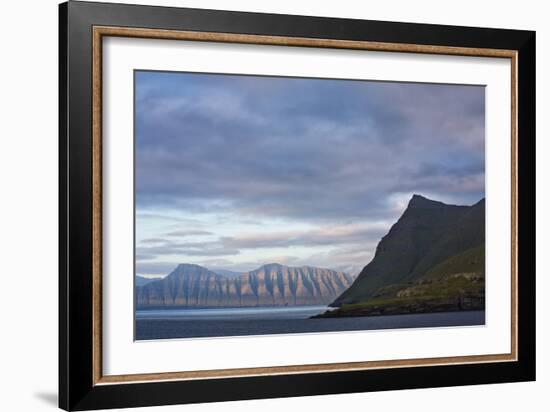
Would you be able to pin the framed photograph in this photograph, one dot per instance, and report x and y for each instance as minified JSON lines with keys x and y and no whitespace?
{"x":256,"y":205}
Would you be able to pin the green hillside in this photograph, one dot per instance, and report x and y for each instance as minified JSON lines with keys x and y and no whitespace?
{"x":456,"y":284}
{"x":432,"y":260}
{"x":470,"y":261}
{"x":426,"y":235}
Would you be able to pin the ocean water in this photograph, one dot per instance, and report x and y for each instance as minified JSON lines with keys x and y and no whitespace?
{"x":201,"y":323}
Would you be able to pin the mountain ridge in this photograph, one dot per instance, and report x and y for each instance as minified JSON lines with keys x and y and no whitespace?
{"x":426,"y":234}
{"x":191,"y":285}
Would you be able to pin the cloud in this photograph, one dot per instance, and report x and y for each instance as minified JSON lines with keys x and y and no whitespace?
{"x":154,"y":268}
{"x":153,"y":240}
{"x":190,"y":232}
{"x":335,"y":235}
{"x":147,"y":216}
{"x":311,"y":149}
{"x":326,"y":153}
{"x":186,"y":249}
{"x":345,"y":238}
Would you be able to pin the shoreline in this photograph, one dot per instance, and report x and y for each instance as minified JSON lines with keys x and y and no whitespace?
{"x":404,"y":307}
{"x":184,"y":307}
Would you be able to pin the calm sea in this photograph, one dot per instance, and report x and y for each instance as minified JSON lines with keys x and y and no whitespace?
{"x":197,"y":323}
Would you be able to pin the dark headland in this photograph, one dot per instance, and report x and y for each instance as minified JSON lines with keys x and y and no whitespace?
{"x":431,"y":260}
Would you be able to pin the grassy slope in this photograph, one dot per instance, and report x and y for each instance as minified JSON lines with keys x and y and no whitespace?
{"x":426,"y":235}
{"x":458,"y":283}
{"x":470,"y":261}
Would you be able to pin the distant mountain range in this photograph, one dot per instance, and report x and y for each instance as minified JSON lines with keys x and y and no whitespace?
{"x":190,"y":285}
{"x":431,"y":260}
{"x":141,"y":280}
{"x":227,"y":273}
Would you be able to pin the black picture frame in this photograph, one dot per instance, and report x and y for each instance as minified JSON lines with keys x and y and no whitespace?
{"x":77,"y":390}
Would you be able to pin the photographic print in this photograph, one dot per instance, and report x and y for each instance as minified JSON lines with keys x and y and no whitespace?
{"x":277,"y":205}
{"x":234,"y":185}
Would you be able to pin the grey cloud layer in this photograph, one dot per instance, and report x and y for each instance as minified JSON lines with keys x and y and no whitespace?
{"x":326,"y":152}
{"x":353,"y":241}
{"x":303,"y":148}
{"x":230,"y":245}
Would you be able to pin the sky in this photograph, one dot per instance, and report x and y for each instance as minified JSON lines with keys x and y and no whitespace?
{"x":235,"y":172}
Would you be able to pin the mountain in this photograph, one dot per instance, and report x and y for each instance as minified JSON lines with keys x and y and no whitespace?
{"x":424,"y":245}
{"x":227,"y":273}
{"x":140,"y":280}
{"x":270,"y":285}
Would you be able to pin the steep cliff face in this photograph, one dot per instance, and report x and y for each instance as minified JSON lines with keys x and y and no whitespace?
{"x":427,"y":234}
{"x":270,"y":285}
